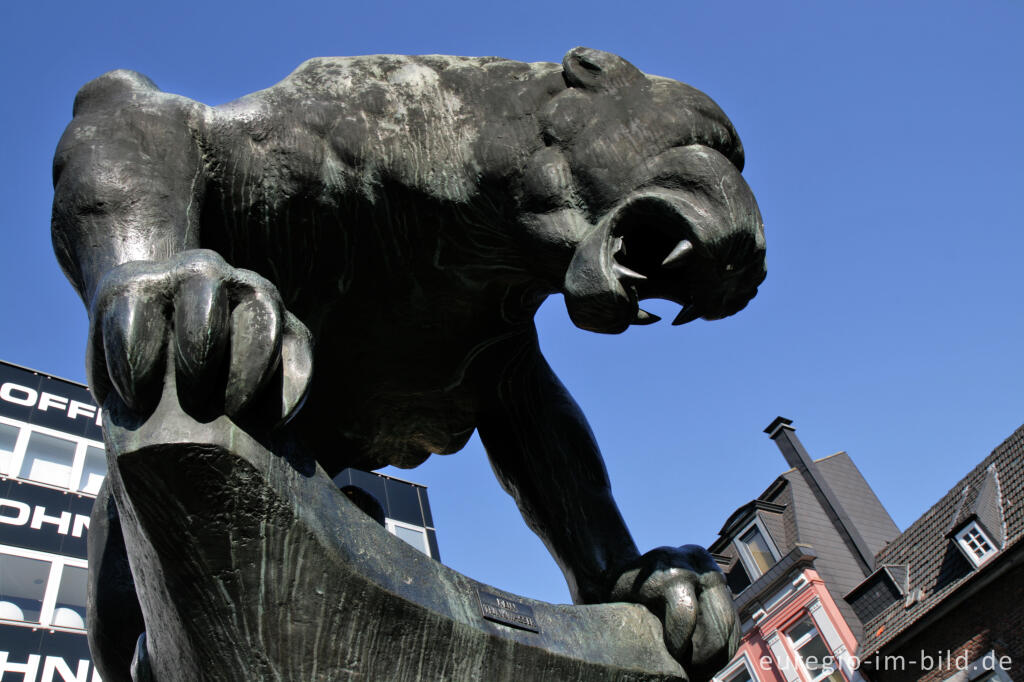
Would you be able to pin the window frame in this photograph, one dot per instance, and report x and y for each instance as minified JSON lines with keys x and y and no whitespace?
{"x":794,"y":647}
{"x":390,"y":524}
{"x":963,"y":543}
{"x":749,"y":564}
{"x":729,"y":672}
{"x":16,"y":461}
{"x":50,"y":592}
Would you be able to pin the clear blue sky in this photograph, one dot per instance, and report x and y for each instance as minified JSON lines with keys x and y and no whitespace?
{"x":883,"y":142}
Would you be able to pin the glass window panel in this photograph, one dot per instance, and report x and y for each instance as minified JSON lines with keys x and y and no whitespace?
{"x":798,"y":631}
{"x":815,"y":656}
{"x":48,"y":460}
{"x":22,"y":584}
{"x":8,"y":437}
{"x":69,"y":610}
{"x":94,"y":470}
{"x":757,"y":546}
{"x":741,"y":675}
{"x":403,"y":503}
{"x":415,"y":537}
{"x":975,"y":544}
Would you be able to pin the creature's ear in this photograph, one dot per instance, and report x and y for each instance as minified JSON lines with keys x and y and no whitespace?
{"x":598,"y":71}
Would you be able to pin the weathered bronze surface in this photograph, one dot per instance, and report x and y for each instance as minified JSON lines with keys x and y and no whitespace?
{"x":394,"y":222}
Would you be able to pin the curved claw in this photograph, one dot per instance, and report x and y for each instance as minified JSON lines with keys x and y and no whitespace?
{"x":256,"y":326}
{"x":200,"y":331}
{"x":134,"y":342}
{"x":296,"y":366}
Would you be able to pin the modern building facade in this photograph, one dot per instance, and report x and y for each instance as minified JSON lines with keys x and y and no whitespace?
{"x":52,"y":463}
{"x":790,"y":556}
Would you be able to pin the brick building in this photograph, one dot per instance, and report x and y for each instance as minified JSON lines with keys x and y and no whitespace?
{"x":947,"y":599}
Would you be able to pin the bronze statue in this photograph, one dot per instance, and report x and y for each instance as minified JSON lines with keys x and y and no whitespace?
{"x":355,"y":256}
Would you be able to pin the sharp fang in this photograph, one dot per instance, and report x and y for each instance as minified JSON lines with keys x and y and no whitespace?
{"x":644,"y":317}
{"x":687,"y":314}
{"x":622,"y":272}
{"x":678,"y":254}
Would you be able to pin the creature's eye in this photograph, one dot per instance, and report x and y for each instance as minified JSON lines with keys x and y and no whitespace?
{"x":598,"y":71}
{"x":588,"y":65}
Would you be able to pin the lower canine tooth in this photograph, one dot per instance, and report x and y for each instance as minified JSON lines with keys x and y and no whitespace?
{"x":678,"y":254}
{"x":687,"y":314}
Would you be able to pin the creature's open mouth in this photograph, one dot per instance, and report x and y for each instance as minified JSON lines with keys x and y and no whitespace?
{"x":664,"y":246}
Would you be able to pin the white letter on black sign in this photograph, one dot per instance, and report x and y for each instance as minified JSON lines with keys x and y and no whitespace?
{"x":84,"y":409}
{"x":63,"y":522}
{"x":23,"y":512}
{"x":48,"y":400}
{"x":29,"y":669}
{"x":28,"y":399}
{"x":81,"y":525}
{"x":55,"y":664}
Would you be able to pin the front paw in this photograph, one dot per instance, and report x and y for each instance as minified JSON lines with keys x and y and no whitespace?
{"x":684,"y":587}
{"x":223,"y":332}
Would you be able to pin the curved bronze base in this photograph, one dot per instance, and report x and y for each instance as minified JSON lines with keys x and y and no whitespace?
{"x":251,"y":565}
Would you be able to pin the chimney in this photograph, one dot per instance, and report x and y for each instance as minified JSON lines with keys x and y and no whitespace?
{"x":782,"y":432}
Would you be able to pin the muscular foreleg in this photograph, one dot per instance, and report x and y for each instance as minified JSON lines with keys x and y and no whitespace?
{"x":545,"y":456}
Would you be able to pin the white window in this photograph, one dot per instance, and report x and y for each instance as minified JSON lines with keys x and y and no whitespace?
{"x":975,"y":545}
{"x":94,"y":469}
{"x":414,"y":535}
{"x":42,"y":589}
{"x":756,"y":549}
{"x":738,"y":671}
{"x":8,"y":441}
{"x":815,"y":659}
{"x":50,"y":457}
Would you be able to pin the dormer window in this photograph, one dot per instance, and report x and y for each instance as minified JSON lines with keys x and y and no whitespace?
{"x":756,"y":550}
{"x":975,"y":544}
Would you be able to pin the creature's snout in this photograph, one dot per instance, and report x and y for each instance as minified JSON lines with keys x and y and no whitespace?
{"x":690,"y":233}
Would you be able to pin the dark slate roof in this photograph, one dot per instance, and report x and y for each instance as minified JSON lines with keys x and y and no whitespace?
{"x":859,"y":500}
{"x":992,"y":493}
{"x":796,"y":522}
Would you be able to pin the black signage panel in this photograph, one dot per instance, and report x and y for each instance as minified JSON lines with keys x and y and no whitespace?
{"x":46,"y":401}
{"x":507,"y":611}
{"x":39,"y":655}
{"x":43,"y":519}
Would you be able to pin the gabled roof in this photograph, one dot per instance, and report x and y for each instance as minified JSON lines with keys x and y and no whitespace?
{"x":984,"y":505}
{"x":935,"y":566}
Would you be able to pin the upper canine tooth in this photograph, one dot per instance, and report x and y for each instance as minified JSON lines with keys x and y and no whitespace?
{"x":644,"y":317}
{"x":678,"y":254}
{"x":622,"y":272}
